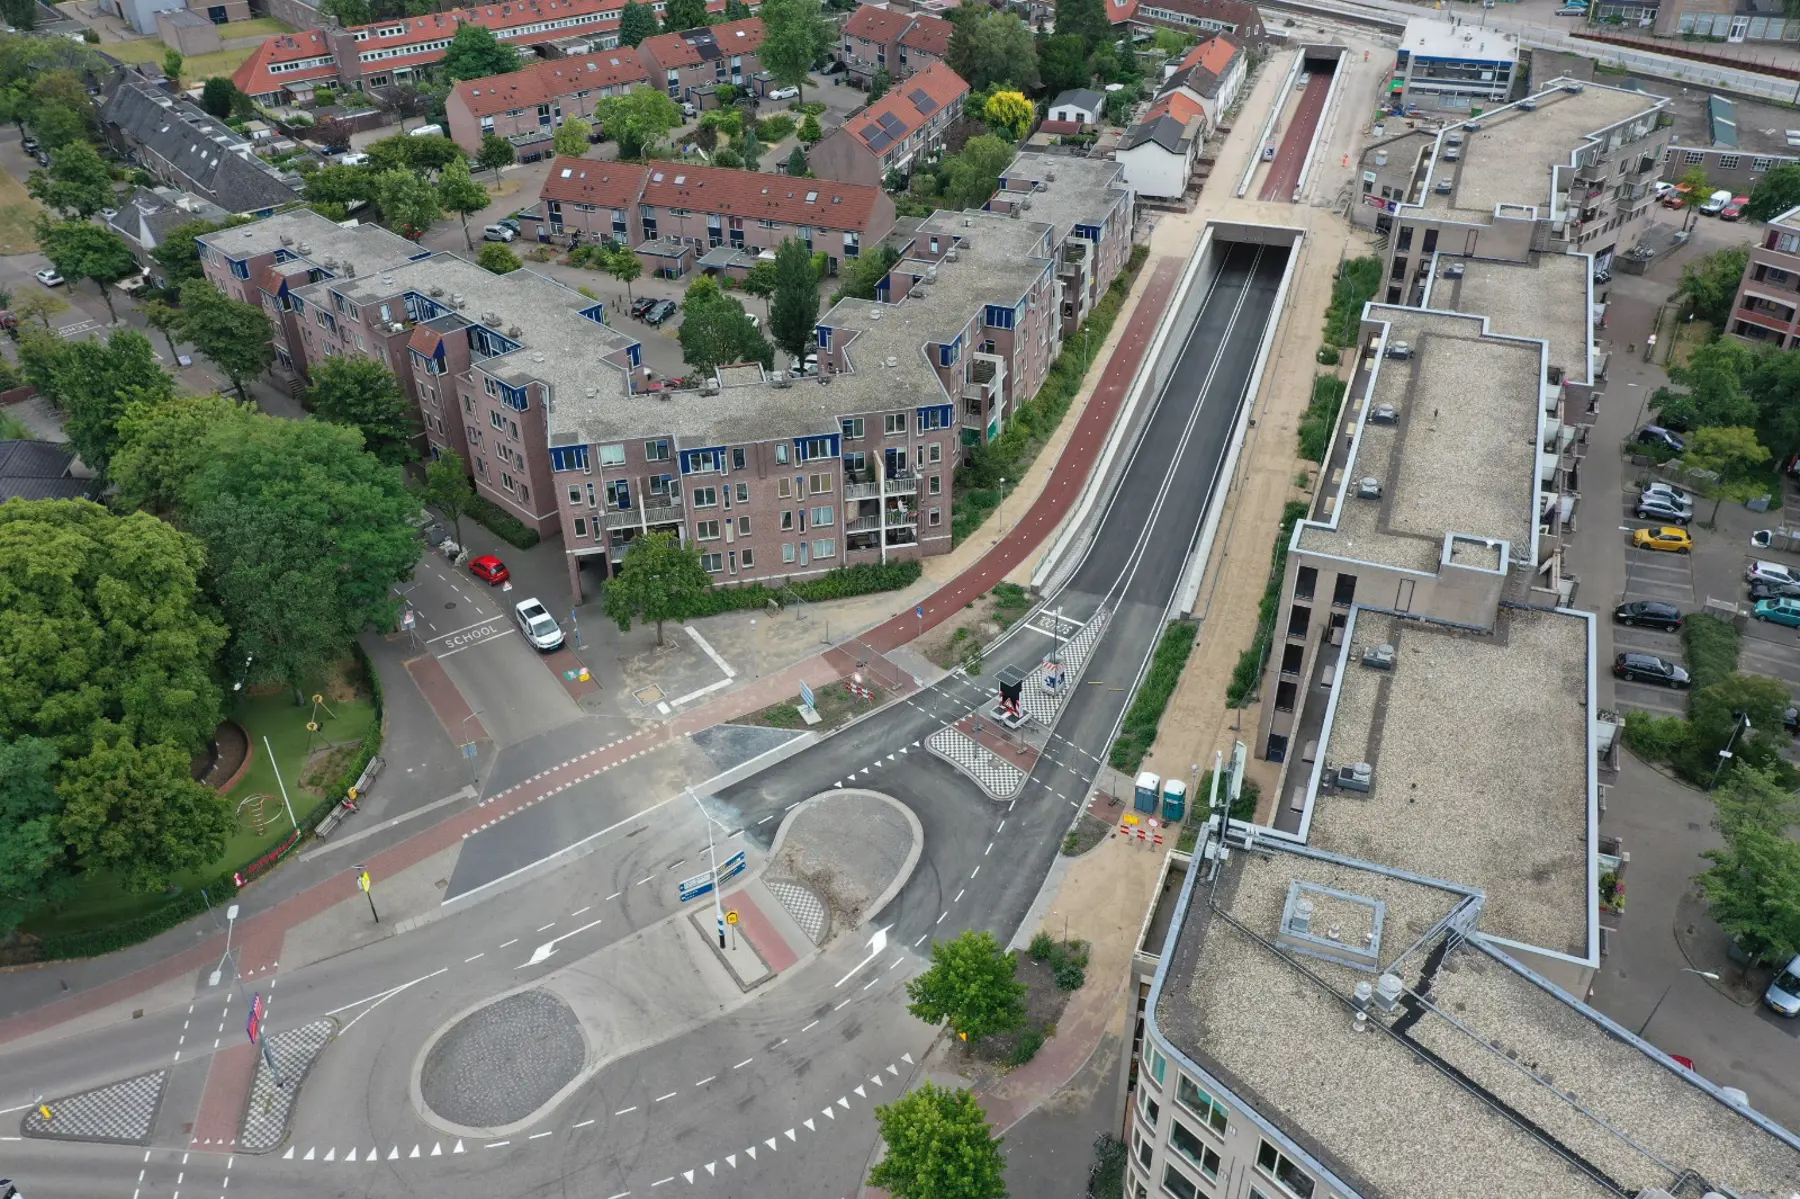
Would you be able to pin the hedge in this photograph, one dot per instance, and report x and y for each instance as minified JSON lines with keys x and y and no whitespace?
{"x":978,"y":480}
{"x":1320,"y":417}
{"x":192,"y":901}
{"x":842,"y":583}
{"x":1712,"y":649}
{"x":1249,"y":663}
{"x":501,"y":523}
{"x":1357,"y":281}
{"x":1139,"y":729}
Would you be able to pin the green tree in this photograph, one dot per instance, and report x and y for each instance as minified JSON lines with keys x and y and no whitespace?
{"x":341,"y":185}
{"x":1714,"y":395}
{"x":172,"y":64}
{"x":796,"y":162}
{"x":638,"y":119}
{"x":408,"y":204}
{"x":1729,"y":452}
{"x":811,"y":133}
{"x":737,"y":10}
{"x":938,"y":1146}
{"x":972,"y":176}
{"x":1752,"y":889}
{"x":160,"y":446}
{"x":1010,"y":111}
{"x":879,"y":83}
{"x":796,"y":34}
{"x":96,"y":381}
{"x":750,"y":150}
{"x":684,"y":14}
{"x":365,"y":395}
{"x":166,"y":320}
{"x":624,"y":266}
{"x":497,"y":258}
{"x":458,"y":192}
{"x":235,"y":335}
{"x":1062,"y":61}
{"x":972,"y":984}
{"x":1747,"y":797}
{"x":34,"y":862}
{"x":1775,"y":193}
{"x":1772,"y":380}
{"x":349,"y":12}
{"x":794,"y":312}
{"x":661,"y":579}
{"x":495,"y":153}
{"x":306,"y":534}
{"x":571,"y":138}
{"x":1085,"y":19}
{"x":1709,"y":285}
{"x":761,"y":281}
{"x":715,"y":331}
{"x":1694,"y":179}
{"x":636,"y":22}
{"x":427,"y":155}
{"x":447,"y":489}
{"x":989,"y":48}
{"x":219,"y":96}
{"x":1715,"y":716}
{"x":178,"y":254}
{"x":474,"y":53}
{"x":865,"y":273}
{"x":135,"y":811}
{"x":76,"y":184}
{"x":83,"y":250}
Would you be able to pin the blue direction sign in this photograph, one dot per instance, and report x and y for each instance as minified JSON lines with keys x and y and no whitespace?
{"x":694,"y":888}
{"x":806,"y":696}
{"x":731,"y":867}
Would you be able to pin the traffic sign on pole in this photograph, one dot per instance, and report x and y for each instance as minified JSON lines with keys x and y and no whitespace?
{"x":806,"y":697}
{"x":253,"y":1026}
{"x":694,"y":888}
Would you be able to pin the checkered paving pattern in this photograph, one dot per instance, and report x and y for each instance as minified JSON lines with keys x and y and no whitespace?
{"x":122,"y":1113}
{"x":1039,"y":704}
{"x":806,"y":909}
{"x":999,"y":778}
{"x":266,"y":1117}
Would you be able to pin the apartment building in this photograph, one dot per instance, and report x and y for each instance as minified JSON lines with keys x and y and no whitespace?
{"x":1442,"y":67}
{"x":190,"y":150}
{"x":890,"y":134}
{"x":1210,"y":76}
{"x":1475,"y":188}
{"x":679,"y":217}
{"x":693,"y":63}
{"x":1767,"y":309}
{"x":884,"y":39}
{"x":287,"y":67}
{"x":268,"y":262}
{"x":527,"y":106}
{"x":1236,"y":17}
{"x":1090,"y":209}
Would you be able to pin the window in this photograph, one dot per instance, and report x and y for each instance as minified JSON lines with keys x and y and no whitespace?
{"x":498,"y":421}
{"x":787,"y":550}
{"x":1178,"y":1184}
{"x":749,"y":560}
{"x":506,"y":481}
{"x":894,"y":424}
{"x":712,"y":563}
{"x":656,"y":451}
{"x":1194,"y":1149}
{"x":743,"y":526}
{"x":574,"y":495}
{"x":826,"y":548}
{"x":581,"y":526}
{"x":573,"y":457}
{"x":819,"y":484}
{"x":1190,"y":1096}
{"x":706,"y":530}
{"x":1728,"y":162}
{"x":1343,"y":593}
{"x":1695,"y":156}
{"x":1146,"y":1151}
{"x":1157,"y":1064}
{"x":814,"y":448}
{"x":1306,"y":581}
{"x":935,"y":516}
{"x":737,"y":459}
{"x":612,"y":455}
{"x":1761,"y":164}
{"x":934,"y":453}
{"x":853,"y":428}
{"x":743,"y":493}
{"x":784,"y":489}
{"x":1275,"y":1163}
{"x":823,"y":516}
{"x":1151,"y":1110}
{"x":706,"y":497}
{"x":934,"y":485}
{"x":935,"y":417}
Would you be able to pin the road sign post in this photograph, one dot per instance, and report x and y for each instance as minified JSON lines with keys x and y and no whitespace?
{"x":368,"y":888}
{"x":731,"y":918}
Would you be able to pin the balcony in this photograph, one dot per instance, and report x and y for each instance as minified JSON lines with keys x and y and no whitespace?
{"x":1642,"y":168}
{"x":863,"y":524}
{"x":863,"y":485}
{"x":984,"y":378}
{"x":650,"y":514}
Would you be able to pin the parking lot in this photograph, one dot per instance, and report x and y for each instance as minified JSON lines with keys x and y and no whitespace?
{"x":1652,"y":575}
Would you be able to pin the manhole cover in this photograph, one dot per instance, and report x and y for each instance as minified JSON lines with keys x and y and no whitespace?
{"x":648,"y":695}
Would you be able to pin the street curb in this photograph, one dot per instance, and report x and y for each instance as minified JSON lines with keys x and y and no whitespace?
{"x":901,"y":877}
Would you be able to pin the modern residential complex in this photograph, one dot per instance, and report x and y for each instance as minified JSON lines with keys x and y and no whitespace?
{"x":690,"y":65}
{"x":900,"y":43}
{"x":890,"y":134}
{"x":1453,"y":68}
{"x":288,"y":66}
{"x":1767,"y":311}
{"x":680,"y":217}
{"x":527,"y":106}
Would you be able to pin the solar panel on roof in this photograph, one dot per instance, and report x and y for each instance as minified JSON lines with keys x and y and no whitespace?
{"x":707,"y":49}
{"x":869,"y":132}
{"x":878,"y":141}
{"x":924,"y":103}
{"x":893,"y":124}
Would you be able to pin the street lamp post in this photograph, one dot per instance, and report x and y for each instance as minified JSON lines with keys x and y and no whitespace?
{"x":1706,"y":974}
{"x":712,"y":862}
{"x":1742,"y":724}
{"x":284,"y":795}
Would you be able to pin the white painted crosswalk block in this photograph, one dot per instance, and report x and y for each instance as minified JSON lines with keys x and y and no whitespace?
{"x":309,"y":1155}
{"x":350,"y":1156}
{"x":459,"y":1148}
{"x":289,"y":1155}
{"x":861,"y":1093}
{"x":437,"y":1149}
{"x":791,"y":1136}
{"x":393,"y":1152}
{"x":810,"y":1126}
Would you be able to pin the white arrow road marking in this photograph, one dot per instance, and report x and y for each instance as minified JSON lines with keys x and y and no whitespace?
{"x":712,"y":1168}
{"x":877,"y":943}
{"x":374,"y":1153}
{"x":892,"y":1070}
{"x":770,"y":1142}
{"x":752,"y":1152}
{"x":826,"y":1111}
{"x":689,"y":1175}
{"x":330,"y":1154}
{"x":791,"y":1136}
{"x":393,"y":1152}
{"x":414,"y":1153}
{"x":876,"y":1079}
{"x":459,"y":1144}
{"x":309,"y":1155}
{"x":437,"y":1149}
{"x":549,"y":947}
{"x":907,"y":1058}
{"x":843,"y":1103}
{"x":810,"y":1126}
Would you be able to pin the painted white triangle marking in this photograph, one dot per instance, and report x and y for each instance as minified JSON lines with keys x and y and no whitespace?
{"x":864,"y":1094}
{"x":904,"y":748}
{"x":810,"y":1126}
{"x":414,"y":1153}
{"x":864,"y":770}
{"x":770,"y":1142}
{"x":843,"y":1103}
{"x":712,"y":1169}
{"x":437,"y":1149}
{"x":752,"y":1152}
{"x":791,"y":1136}
{"x":731,"y":1160}
{"x":330,"y":1154}
{"x":459,"y":1148}
{"x":907,"y":1058}
{"x":892,"y":1070}
{"x":289,"y":1155}
{"x":689,"y":1175}
{"x":826,"y":1111}
{"x":373,"y":1154}
{"x":890,"y":757}
{"x":876,"y":1079}
{"x":393,"y":1152}
{"x":350,"y":1156}
{"x":915,"y":745}
{"x":309,"y":1155}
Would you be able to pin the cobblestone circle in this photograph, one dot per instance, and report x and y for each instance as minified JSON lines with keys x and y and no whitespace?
{"x":497,"y":1065}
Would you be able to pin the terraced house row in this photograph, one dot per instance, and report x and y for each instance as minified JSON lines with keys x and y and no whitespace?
{"x":288,"y":67}
{"x":773,"y":476}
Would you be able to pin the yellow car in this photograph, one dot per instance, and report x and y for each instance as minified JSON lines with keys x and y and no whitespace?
{"x":1666,"y":538}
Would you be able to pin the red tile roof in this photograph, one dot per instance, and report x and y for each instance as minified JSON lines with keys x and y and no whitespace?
{"x":940,"y":85}
{"x":876,"y":24}
{"x":1177,"y":105}
{"x":254,"y":78}
{"x":591,"y":181}
{"x":929,"y":34}
{"x":425,"y":340}
{"x":542,"y":82}
{"x":1215,"y":54}
{"x":747,"y":194}
{"x":669,"y":50}
{"x":1060,"y":127}
{"x":1120,"y":10}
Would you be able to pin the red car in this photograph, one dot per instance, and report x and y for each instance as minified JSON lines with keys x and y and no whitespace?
{"x":489,"y":569}
{"x":1734,"y":210}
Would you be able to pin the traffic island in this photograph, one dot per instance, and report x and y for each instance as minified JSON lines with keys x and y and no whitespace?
{"x":276,"y":1089}
{"x":502,"y":1062}
{"x":120,"y":1113}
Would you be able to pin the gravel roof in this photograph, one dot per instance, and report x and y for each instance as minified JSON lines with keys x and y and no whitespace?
{"x":1546,"y":298}
{"x":1462,"y":799}
{"x":366,"y":247}
{"x":1463,"y":456}
{"x":1084,"y":191}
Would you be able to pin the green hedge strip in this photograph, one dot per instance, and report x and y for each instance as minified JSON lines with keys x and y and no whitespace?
{"x":1138,"y":732}
{"x":842,"y":583}
{"x":1249,"y":663}
{"x":501,"y":523}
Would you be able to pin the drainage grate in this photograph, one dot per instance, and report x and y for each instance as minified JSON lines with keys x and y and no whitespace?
{"x":648,"y":695}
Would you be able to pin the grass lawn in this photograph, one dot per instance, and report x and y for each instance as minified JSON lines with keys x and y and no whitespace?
{"x":258,"y":27}
{"x":205,"y":66}
{"x":101,"y":901}
{"x":18,"y":217}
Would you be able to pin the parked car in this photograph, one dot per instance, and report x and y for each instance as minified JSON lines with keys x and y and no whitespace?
{"x":1656,"y":435}
{"x":1783,"y":995}
{"x":29,"y":144}
{"x":49,"y":278}
{"x":661,"y":311}
{"x":538,"y":626}
{"x":1655,"y":507}
{"x":804,"y":366}
{"x":1790,"y":720}
{"x":1670,"y":492}
{"x":497,"y":233}
{"x":1764,"y":589}
{"x":1652,"y":614}
{"x":1667,"y":539}
{"x":1761,"y":570}
{"x":641,"y":305}
{"x":511,"y":222}
{"x":489,"y":569}
{"x":1735,"y":209}
{"x":784,"y":93}
{"x":1648,"y":668}
{"x":1780,"y":611}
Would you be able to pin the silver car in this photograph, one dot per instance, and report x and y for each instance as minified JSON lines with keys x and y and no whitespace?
{"x":538,"y":626}
{"x":1783,"y":994}
{"x":1671,"y":493}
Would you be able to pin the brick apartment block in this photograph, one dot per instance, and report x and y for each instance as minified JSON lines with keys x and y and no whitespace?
{"x":1767,"y":310}
{"x":901,"y":43}
{"x":691,"y":64}
{"x":891,"y":133}
{"x":527,"y":106}
{"x":678,"y":216}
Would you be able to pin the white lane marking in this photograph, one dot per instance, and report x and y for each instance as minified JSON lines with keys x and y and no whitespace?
{"x":496,"y":1144}
{"x":810,"y":1027}
{"x":748,"y":1060}
{"x":959,"y":896}
{"x":536,"y":1135}
{"x":579,"y":911}
{"x":940,"y":919}
{"x":624,"y":1110}
{"x":660,"y":1098}
{"x":609,"y":899}
{"x":707,"y":1079}
{"x":466,"y":961}
{"x":514,"y":941}
{"x":547,"y":927}
{"x":922,"y":936}
{"x":583,"y":1124}
{"x":380,"y":995}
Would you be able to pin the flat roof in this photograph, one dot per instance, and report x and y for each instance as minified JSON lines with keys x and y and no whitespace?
{"x":1461,"y":457}
{"x":1433,"y":37}
{"x":1482,"y":1081}
{"x":1076,"y":191}
{"x":1548,"y":298}
{"x":366,"y":247}
{"x":1479,"y":749}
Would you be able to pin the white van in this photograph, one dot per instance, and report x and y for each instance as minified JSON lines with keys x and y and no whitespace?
{"x":438,"y":131}
{"x":352,"y":160}
{"x":1715,"y":203}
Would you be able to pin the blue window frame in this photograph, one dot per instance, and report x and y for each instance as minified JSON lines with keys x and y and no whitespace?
{"x":824,"y":332}
{"x":632,"y":353}
{"x":422,"y":308}
{"x":998,"y":317}
{"x":951,"y":353}
{"x":1090,"y":232}
{"x":936,"y":416}
{"x":810,"y":449}
{"x":702,"y":462}
{"x":597,"y":313}
{"x":515,"y":398}
{"x":573,"y":457}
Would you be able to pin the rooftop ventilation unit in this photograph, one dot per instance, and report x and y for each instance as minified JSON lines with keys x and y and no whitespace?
{"x":1574,"y":89}
{"x":1474,"y":126}
{"x":931,"y":273}
{"x":1453,"y":138}
{"x":1399,"y":349}
{"x":1357,"y":777}
{"x":1454,"y":271}
{"x":1379,"y":657}
{"x":892,"y":361}
{"x":950,"y":255}
{"x":456,"y":300}
{"x":1301,"y":920}
{"x":874,"y":314}
{"x":1388,"y":989}
{"x":1443,"y":187}
{"x":1014,"y":214}
{"x":1385,"y":414}
{"x":490,"y":318}
{"x":397,"y":327}
{"x":286,"y":239}
{"x":436,"y":293}
{"x":1528,"y":105}
{"x":515,"y":332}
{"x":1369,"y":488}
{"x":302,"y":248}
{"x":779,"y":379}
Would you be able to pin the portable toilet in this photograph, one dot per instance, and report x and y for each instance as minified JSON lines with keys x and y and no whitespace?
{"x":1174,"y":801}
{"x":1149,"y":790}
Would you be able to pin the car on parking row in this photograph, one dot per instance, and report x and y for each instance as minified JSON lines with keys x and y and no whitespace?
{"x":1764,"y":571}
{"x":1668,"y":539}
{"x":1734,"y":210}
{"x":498,"y":232}
{"x":1779,"y":611}
{"x":1762,"y":590}
{"x":538,"y":626}
{"x":1656,"y":507}
{"x":1783,"y":995}
{"x":1651,"y":614}
{"x":1648,"y":668}
{"x":784,"y":93}
{"x":1669,"y":493}
{"x":1661,"y":438}
{"x":661,"y":311}
{"x":489,"y":569}
{"x":48,"y":277}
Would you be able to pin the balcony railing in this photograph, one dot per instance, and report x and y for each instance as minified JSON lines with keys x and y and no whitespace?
{"x":863,"y":524}
{"x":650,"y":514}
{"x":863,"y":486}
{"x":983,"y":378}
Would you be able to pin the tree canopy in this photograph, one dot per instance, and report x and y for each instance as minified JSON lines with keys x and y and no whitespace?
{"x":971,"y":984}
{"x":1710,"y":284}
{"x":178,"y":254}
{"x":972,"y":176}
{"x":95,"y":382}
{"x":715,"y":331}
{"x":84,"y":250}
{"x":989,"y":48}
{"x":495,"y":153}
{"x":497,"y":258}
{"x":161,"y":444}
{"x":571,"y":137}
{"x":660,"y":580}
{"x":76,"y":183}
{"x":474,"y":53}
{"x":794,"y":312}
{"x":408,"y":203}
{"x":1011,"y":111}
{"x":938,"y":1145}
{"x":458,"y":192}
{"x":235,"y":335}
{"x":638,"y":119}
{"x":447,"y":489}
{"x":1775,"y":193}
{"x":796,"y":34}
{"x":365,"y":395}
{"x":636,"y":22}
{"x":1063,"y":62}
{"x":684,"y":14}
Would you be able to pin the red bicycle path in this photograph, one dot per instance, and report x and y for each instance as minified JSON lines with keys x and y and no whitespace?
{"x":1061,"y":491}
{"x":1284,"y":172}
